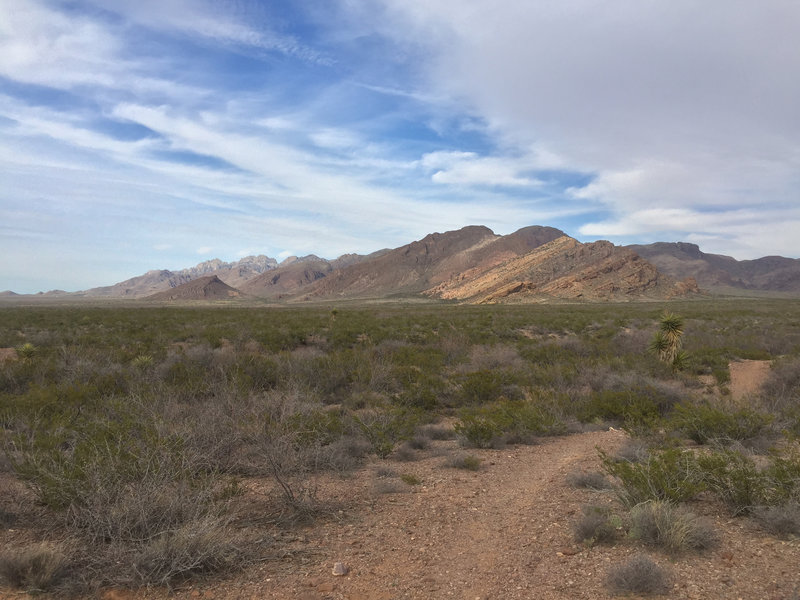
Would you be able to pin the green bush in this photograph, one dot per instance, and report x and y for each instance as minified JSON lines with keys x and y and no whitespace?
{"x":515,"y":421}
{"x":734,"y":478}
{"x":704,"y":423}
{"x":385,"y":428}
{"x":671,"y":475}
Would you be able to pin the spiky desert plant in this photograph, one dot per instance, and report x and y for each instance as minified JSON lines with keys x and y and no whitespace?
{"x":668,"y":339}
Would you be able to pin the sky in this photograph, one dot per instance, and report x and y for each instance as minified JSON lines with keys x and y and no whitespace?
{"x":162,"y":133}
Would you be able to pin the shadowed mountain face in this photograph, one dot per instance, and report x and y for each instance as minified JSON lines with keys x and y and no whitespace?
{"x":722,"y":273}
{"x":209,"y":287}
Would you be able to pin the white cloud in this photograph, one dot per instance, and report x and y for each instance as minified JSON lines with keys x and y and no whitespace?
{"x":668,"y":103}
{"x":467,"y":168}
{"x":204,"y":250}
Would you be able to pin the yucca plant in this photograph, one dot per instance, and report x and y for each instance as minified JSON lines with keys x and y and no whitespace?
{"x":668,"y":340}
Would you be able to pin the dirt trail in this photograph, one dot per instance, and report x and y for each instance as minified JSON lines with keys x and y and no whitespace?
{"x":503,"y":532}
{"x":747,"y":377}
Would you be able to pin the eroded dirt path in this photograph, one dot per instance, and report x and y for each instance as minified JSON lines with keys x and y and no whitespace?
{"x":747,"y":377}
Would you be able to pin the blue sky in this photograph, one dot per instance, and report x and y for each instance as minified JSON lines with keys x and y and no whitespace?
{"x":160,"y":133}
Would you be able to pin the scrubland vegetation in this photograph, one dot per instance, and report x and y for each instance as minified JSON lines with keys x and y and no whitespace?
{"x":137,"y":429}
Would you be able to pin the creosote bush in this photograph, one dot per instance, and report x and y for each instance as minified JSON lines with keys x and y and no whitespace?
{"x":704,"y":423}
{"x":671,"y":475}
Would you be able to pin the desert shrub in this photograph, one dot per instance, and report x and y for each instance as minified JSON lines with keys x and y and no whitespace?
{"x":781,"y":390}
{"x":639,"y":575}
{"x":671,"y":475}
{"x":781,"y":520}
{"x":739,"y":482}
{"x":436,"y":432}
{"x":202,"y":547}
{"x":410,"y":479}
{"x":384,"y":428}
{"x":673,"y":528}
{"x":704,"y":423}
{"x":35,"y":568}
{"x":468,"y":462}
{"x":624,"y":407}
{"x":591,"y":480}
{"x":405,"y":453}
{"x":517,"y":421}
{"x":734,"y":478}
{"x":597,"y":525}
{"x":482,"y":387}
{"x":633,"y":450}
{"x":497,"y":357}
{"x":631,"y":399}
{"x":783,"y":478}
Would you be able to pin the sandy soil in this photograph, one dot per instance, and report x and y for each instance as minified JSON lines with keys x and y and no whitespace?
{"x":747,"y":377}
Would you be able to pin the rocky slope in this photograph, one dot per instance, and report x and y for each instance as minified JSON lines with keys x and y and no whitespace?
{"x":717,"y":272}
{"x":566,"y":269}
{"x":209,"y":287}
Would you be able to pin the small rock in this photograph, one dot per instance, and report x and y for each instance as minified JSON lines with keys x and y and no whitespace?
{"x":340,"y":569}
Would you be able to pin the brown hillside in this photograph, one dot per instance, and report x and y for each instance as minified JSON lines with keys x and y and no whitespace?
{"x":566,"y":269}
{"x":405,"y":270}
{"x":436,"y":258}
{"x":288,"y":279}
{"x":203,"y":288}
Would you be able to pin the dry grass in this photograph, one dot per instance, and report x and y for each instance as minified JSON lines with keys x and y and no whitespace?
{"x":672,"y":528}
{"x":35,"y":568}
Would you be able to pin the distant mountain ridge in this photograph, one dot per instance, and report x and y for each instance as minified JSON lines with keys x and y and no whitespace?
{"x":721,"y":273}
{"x":472,"y":264}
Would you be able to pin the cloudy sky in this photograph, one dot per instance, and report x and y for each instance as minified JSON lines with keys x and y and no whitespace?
{"x":160,"y":133}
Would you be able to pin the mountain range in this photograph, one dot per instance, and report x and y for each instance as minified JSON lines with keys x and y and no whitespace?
{"x":471,"y":265}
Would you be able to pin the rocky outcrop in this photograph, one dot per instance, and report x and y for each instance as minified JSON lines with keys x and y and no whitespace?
{"x":563,"y":269}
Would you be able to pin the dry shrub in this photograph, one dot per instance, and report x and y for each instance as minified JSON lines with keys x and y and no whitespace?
{"x":639,"y":575}
{"x":782,"y":520}
{"x":468,"y":462}
{"x":673,"y":528}
{"x":436,"y":432}
{"x":634,"y":451}
{"x":35,"y":568}
{"x":589,"y":480}
{"x":490,"y":358}
{"x":202,"y":547}
{"x":597,"y":526}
